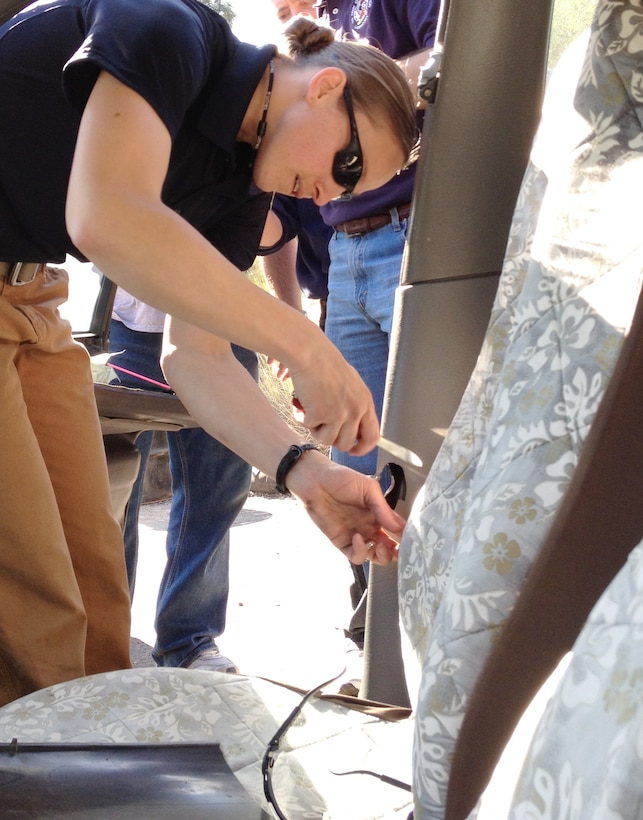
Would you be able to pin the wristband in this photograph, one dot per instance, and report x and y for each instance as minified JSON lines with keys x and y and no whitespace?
{"x":288,"y":462}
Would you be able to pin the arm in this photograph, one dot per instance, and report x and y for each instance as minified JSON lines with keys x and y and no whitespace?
{"x":115,"y":216}
{"x":280,"y":270}
{"x":220,"y":394}
{"x":280,"y":266}
{"x":419,"y":19}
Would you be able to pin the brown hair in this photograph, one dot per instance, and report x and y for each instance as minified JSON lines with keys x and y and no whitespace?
{"x":378,"y":86}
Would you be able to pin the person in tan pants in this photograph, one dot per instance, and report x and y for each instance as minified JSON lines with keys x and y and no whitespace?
{"x":145,"y":138}
{"x":65,"y":599}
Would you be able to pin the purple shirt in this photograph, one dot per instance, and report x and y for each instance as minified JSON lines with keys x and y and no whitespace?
{"x":399,"y":28}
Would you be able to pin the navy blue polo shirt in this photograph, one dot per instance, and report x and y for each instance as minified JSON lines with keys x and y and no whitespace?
{"x":182,"y":59}
{"x":398,"y":28}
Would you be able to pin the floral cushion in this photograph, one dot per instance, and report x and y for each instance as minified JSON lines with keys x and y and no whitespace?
{"x":570,"y":280}
{"x":241,"y":714}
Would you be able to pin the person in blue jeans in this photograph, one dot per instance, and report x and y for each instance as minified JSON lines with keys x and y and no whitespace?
{"x":209,"y":487}
{"x":369,"y":231}
{"x":369,"y":235}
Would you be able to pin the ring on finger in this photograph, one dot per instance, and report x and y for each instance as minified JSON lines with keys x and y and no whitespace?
{"x":369,"y":544}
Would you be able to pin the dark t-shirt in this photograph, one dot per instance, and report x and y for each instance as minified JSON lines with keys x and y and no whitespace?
{"x":301,"y":218}
{"x":182,"y":59}
{"x":398,"y":28}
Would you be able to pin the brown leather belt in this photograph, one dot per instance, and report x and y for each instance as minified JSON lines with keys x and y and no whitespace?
{"x":20,"y":273}
{"x":358,"y":227}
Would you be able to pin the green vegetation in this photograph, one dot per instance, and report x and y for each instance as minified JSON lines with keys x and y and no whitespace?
{"x":278,"y":393}
{"x":223,"y":8}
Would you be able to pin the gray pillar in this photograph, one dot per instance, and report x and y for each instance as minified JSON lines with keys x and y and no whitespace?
{"x":475,"y":147}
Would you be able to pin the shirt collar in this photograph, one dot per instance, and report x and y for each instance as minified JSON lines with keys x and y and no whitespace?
{"x":230,"y":94}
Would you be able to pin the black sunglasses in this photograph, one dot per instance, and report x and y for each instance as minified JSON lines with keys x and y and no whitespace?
{"x":348,"y":164}
{"x":272,"y":748}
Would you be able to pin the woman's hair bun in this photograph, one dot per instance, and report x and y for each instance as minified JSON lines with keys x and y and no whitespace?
{"x":305,"y":36}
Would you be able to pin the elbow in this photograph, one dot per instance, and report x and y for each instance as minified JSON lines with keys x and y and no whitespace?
{"x":167,"y":362}
{"x":86,"y":232}
{"x":92,"y":225}
{"x":83,"y":240}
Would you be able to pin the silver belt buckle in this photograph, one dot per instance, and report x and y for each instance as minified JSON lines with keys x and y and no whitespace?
{"x":23,"y":273}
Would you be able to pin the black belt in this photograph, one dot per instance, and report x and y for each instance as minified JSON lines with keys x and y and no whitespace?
{"x":20,"y":273}
{"x":358,"y":227}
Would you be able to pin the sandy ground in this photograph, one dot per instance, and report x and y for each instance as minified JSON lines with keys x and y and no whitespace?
{"x":289,"y":592}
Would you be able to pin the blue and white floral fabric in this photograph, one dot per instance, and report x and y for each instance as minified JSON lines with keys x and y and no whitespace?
{"x":567,"y":292}
{"x":586,"y":758}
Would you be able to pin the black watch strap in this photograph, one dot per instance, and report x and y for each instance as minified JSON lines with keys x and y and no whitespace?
{"x":286,"y":464}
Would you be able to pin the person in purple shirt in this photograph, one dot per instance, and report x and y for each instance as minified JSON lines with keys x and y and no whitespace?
{"x":369,"y":230}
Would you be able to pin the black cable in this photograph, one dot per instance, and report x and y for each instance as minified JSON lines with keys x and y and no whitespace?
{"x":390,"y":781}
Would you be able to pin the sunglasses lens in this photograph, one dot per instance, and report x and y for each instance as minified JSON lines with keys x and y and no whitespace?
{"x":347,"y":169}
{"x":348,"y":164}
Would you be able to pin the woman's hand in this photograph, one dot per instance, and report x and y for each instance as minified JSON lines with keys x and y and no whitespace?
{"x":348,"y":507}
{"x":333,"y":402}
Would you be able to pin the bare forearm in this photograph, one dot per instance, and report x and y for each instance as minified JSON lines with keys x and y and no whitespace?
{"x":281,"y":273}
{"x":225,"y":400}
{"x":347,"y":506}
{"x":156,"y":250}
{"x":218,"y":299}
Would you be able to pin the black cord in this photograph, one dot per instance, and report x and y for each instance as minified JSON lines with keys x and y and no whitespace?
{"x":390,"y":781}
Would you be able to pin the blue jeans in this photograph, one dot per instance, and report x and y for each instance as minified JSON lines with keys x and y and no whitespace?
{"x":363,"y":277}
{"x":209,"y":487}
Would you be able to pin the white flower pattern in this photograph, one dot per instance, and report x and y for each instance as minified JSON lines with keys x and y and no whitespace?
{"x":570,"y":281}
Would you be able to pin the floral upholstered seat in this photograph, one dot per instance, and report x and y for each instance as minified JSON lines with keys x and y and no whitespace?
{"x":569,"y":285}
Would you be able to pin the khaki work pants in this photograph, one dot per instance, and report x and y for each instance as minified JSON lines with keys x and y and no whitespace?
{"x":64,"y":600}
